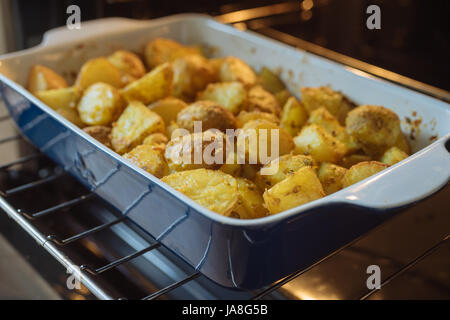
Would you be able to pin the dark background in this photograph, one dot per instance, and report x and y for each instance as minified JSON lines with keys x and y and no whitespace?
{"x":413,"y":41}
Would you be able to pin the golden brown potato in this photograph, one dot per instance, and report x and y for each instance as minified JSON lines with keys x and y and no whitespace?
{"x":337,"y":104}
{"x":298,"y":188}
{"x":191,"y":74}
{"x":157,"y":141}
{"x":196,"y":150}
{"x":101,"y":104}
{"x":100,"y":133}
{"x":133,"y":126}
{"x":231,"y":165}
{"x":250,"y":204}
{"x":323,"y":118}
{"x":362,"y":171}
{"x":331,"y":175}
{"x":262,"y":100}
{"x":279,"y":169}
{"x":403,"y":144}
{"x":351,"y":160}
{"x":374,"y":127}
{"x":293,"y":117}
{"x":72,"y":116}
{"x":98,"y":70}
{"x":159,"y":51}
{"x":152,"y":161}
{"x":168,"y":108}
{"x":234,"y":69}
{"x":270,"y":81}
{"x":62,"y":98}
{"x":212,"y":189}
{"x":43,"y":78}
{"x":315,"y":141}
{"x":249,"y":171}
{"x":155,"y":85}
{"x":231,"y":95}
{"x":129,"y":65}
{"x":282,"y":97}
{"x":393,"y":155}
{"x":246,"y":116}
{"x":255,"y":141}
{"x":209,"y":113}
{"x":216,"y":64}
{"x":173,"y":130}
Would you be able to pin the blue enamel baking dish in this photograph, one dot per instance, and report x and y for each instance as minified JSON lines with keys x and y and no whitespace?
{"x":243,"y":254}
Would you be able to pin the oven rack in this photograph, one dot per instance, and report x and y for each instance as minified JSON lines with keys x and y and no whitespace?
{"x":86,"y":273}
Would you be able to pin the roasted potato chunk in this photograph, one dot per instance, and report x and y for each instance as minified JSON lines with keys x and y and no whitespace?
{"x":403,"y":144}
{"x":98,"y":70}
{"x":101,"y":104}
{"x":298,"y":188}
{"x":216,"y":64}
{"x":362,"y":171}
{"x":249,"y":171}
{"x":231,"y":95}
{"x":293,"y":117}
{"x":232,"y":165}
{"x":100,"y":133}
{"x":234,"y":69}
{"x":155,"y":85}
{"x":393,"y":155}
{"x":168,"y":108}
{"x":351,"y":160}
{"x":255,"y":141}
{"x":191,"y":74}
{"x":246,"y":116}
{"x":197,"y":150}
{"x":262,"y":100}
{"x":43,"y":78}
{"x":331,"y":175}
{"x":374,"y":127}
{"x":72,"y":116}
{"x":323,"y":118}
{"x":133,"y":126}
{"x":279,"y":169}
{"x":315,"y":141}
{"x":282,"y":97}
{"x":214,"y":190}
{"x":129,"y":65}
{"x":162,"y":50}
{"x":210,"y":114}
{"x":250,"y":204}
{"x":336,"y":103}
{"x":157,"y":141}
{"x":149,"y":159}
{"x":270,"y":81}
{"x":62,"y":98}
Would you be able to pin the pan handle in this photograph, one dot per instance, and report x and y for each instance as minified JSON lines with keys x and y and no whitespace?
{"x":408,"y":181}
{"x":89,"y":29}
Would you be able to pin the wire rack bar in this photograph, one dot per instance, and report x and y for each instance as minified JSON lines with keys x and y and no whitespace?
{"x":171,"y":287}
{"x":33,"y":184}
{"x":20,"y":161}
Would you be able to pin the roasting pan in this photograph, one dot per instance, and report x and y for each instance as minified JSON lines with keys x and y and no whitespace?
{"x":242,"y":254}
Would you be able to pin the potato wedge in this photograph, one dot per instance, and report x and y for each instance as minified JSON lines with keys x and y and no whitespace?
{"x":245,"y":116}
{"x":133,"y":126}
{"x":262,"y":100}
{"x":393,"y":155}
{"x":129,"y":65}
{"x":336,"y":103}
{"x":210,"y":114}
{"x":234,"y":69}
{"x":282,"y":97}
{"x":72,"y":116}
{"x":98,"y":70}
{"x":214,"y":190}
{"x":101,"y":104}
{"x":231,"y":165}
{"x":160,"y":50}
{"x":315,"y":141}
{"x":403,"y":144}
{"x":254,"y":141}
{"x":149,"y":159}
{"x":331,"y":176}
{"x":100,"y":133}
{"x":168,"y":108}
{"x":43,"y":78}
{"x":191,"y":74}
{"x":279,"y":169}
{"x":231,"y":95}
{"x":374,"y":127}
{"x":362,"y":171}
{"x":62,"y":98}
{"x":293,"y":116}
{"x":299,"y":188}
{"x":250,"y":204}
{"x":155,"y":85}
{"x":270,"y":81}
{"x":157,"y":141}
{"x":351,"y":160}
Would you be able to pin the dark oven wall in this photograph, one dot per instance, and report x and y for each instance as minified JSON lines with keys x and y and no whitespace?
{"x":413,"y":39}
